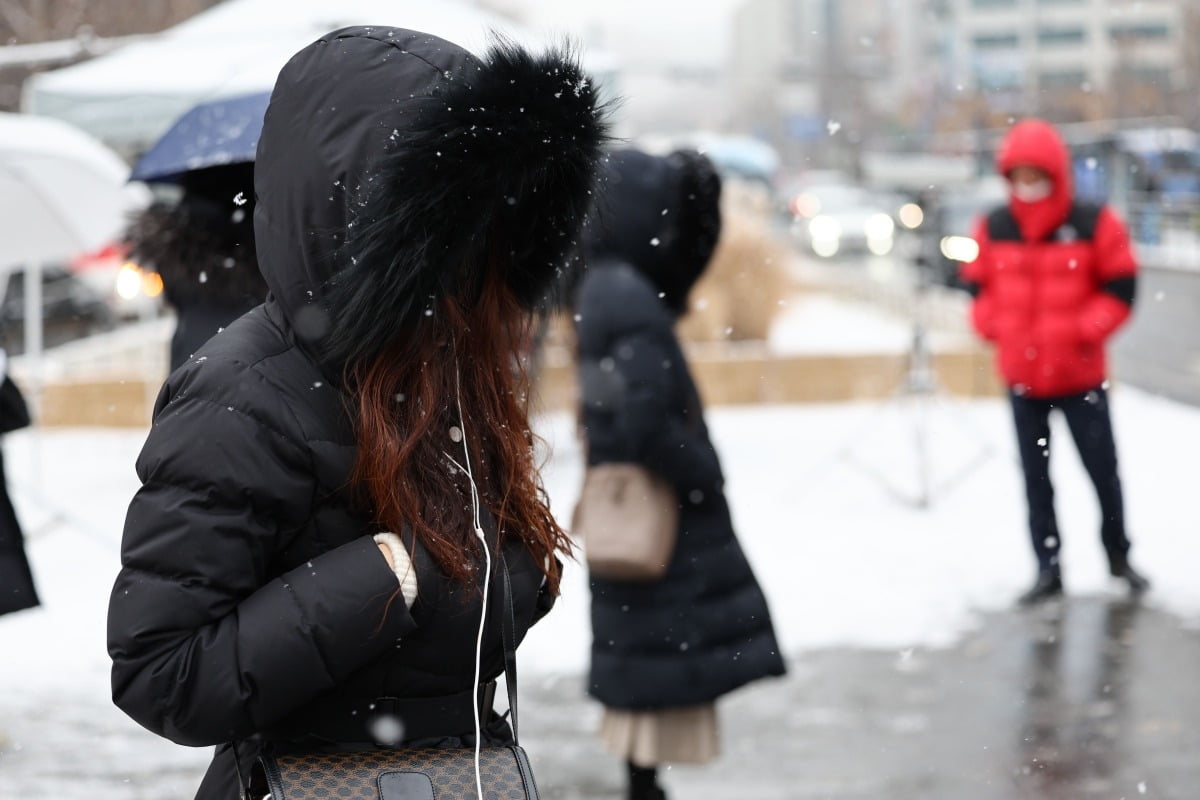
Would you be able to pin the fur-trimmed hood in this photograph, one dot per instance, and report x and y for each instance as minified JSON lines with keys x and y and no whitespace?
{"x":661,"y":215}
{"x":394,"y":167}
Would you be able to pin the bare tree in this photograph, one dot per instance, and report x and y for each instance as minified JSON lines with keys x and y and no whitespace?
{"x":25,"y":21}
{"x":31,"y":21}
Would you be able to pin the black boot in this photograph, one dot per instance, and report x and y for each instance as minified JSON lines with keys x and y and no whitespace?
{"x":643,"y":783}
{"x":1119,"y":567}
{"x":1048,"y":585}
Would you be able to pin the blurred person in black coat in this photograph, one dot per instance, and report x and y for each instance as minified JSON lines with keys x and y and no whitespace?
{"x":17,"y":590}
{"x":202,"y":246}
{"x":663,"y":651}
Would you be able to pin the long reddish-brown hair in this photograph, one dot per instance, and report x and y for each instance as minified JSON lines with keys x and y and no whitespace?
{"x":407,"y":405}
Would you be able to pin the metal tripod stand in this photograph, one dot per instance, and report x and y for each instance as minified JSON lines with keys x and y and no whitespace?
{"x":919,"y":394}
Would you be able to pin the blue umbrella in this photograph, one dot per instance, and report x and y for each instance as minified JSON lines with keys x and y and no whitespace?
{"x":211,"y":134}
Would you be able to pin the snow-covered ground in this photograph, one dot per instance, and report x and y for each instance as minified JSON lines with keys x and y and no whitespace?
{"x":824,"y":499}
{"x":806,"y":326}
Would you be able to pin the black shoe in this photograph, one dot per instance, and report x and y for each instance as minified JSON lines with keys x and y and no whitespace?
{"x":1119,"y":567}
{"x":643,"y":783}
{"x":650,"y":793}
{"x":1048,"y":585}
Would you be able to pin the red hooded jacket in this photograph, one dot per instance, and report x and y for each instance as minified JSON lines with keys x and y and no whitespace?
{"x":1054,"y":278}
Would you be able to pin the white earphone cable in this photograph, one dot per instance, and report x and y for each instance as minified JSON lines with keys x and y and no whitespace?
{"x":487,"y":575}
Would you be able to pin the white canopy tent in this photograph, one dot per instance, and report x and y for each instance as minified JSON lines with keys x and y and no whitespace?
{"x":128,"y":98}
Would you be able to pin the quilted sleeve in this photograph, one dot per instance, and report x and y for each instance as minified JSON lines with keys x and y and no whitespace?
{"x":206,"y":644}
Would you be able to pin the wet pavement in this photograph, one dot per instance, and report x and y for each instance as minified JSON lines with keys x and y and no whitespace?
{"x":1086,"y":698}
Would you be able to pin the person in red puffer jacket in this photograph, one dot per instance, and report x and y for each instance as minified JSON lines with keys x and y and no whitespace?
{"x":1054,"y":279}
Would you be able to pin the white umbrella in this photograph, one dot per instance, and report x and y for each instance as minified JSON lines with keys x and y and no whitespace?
{"x":61,"y":191}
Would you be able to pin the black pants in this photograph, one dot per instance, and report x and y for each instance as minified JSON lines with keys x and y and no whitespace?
{"x":1091,"y":428}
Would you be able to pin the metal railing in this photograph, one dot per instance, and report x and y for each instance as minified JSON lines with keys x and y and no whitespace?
{"x":1165,"y":230}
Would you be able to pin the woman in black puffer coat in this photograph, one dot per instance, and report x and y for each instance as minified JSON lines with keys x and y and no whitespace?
{"x":301,"y":562}
{"x":662,"y":652}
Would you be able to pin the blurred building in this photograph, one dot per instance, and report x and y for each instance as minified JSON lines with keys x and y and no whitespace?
{"x":1073,"y":59}
{"x":823,"y":79}
{"x":820,"y":78}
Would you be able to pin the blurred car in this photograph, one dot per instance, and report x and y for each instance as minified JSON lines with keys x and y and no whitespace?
{"x":842,"y":219}
{"x":950,"y":219}
{"x":71,"y":309}
{"x":130,"y":291}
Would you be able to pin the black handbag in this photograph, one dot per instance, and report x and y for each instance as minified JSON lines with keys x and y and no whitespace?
{"x":14,"y":413}
{"x":426,"y":773}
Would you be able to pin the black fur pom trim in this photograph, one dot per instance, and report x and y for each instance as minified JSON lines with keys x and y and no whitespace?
{"x":493,"y":172}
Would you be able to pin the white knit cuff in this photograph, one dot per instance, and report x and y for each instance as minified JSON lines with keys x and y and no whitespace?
{"x":401,"y":565}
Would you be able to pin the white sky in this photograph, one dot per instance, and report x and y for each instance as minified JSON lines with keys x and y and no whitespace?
{"x":642,"y":32}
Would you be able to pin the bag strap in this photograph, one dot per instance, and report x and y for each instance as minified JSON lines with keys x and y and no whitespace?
{"x":508,"y":628}
{"x":243,"y":784}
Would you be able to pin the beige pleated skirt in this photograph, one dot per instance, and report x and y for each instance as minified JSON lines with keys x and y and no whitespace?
{"x":667,"y":736}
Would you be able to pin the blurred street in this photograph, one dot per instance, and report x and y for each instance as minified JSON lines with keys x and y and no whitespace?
{"x":1072,"y":701}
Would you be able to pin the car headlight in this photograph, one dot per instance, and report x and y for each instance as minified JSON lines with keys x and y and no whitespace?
{"x":824,"y":227}
{"x":960,"y":248}
{"x":911,"y":216}
{"x":129,"y":281}
{"x":824,"y":234}
{"x":805,"y":205}
{"x":133,"y":282}
{"x":152,"y":284}
{"x":879,"y":227}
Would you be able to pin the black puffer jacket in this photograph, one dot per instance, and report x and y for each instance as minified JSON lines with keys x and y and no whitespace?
{"x":704,"y":629}
{"x":252,"y":604}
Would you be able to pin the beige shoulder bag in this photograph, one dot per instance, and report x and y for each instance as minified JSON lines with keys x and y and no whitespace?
{"x":627,"y":519}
